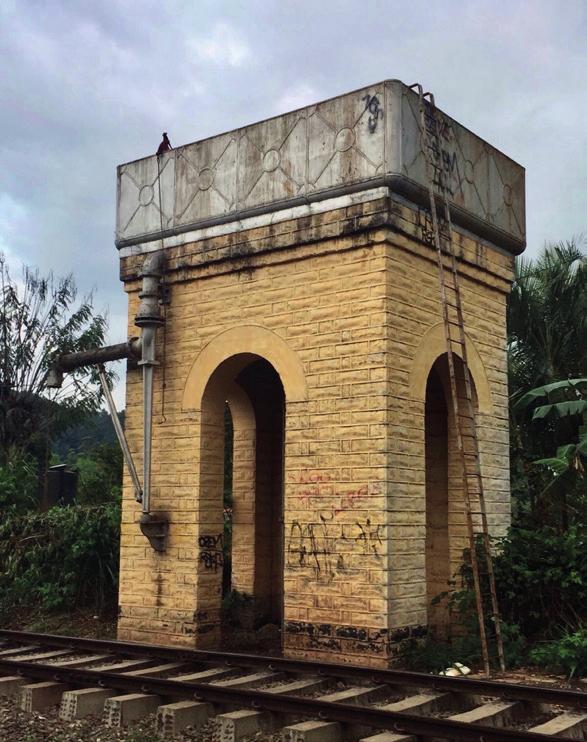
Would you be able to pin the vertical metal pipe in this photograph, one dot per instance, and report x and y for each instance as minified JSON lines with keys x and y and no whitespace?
{"x":149,"y":318}
{"x":148,"y":362}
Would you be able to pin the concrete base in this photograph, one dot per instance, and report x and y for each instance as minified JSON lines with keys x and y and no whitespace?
{"x":40,"y":695}
{"x":77,"y":704}
{"x":123,"y":710}
{"x":423,"y":703}
{"x":173,"y":718}
{"x":312,"y":731}
{"x":388,"y":737}
{"x":299,"y":687}
{"x":493,"y":714}
{"x":568,"y":726}
{"x":238,"y":724}
{"x":11,"y":685}
{"x":357,"y":696}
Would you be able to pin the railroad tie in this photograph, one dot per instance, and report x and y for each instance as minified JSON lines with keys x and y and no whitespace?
{"x":422,"y":703}
{"x":248,"y":681}
{"x":126,"y":665}
{"x":358,"y":695}
{"x":39,"y":696}
{"x":11,"y":684}
{"x":122,"y":710}
{"x":5,"y":653}
{"x":77,"y":704}
{"x":568,"y":725}
{"x":203,"y":675}
{"x":41,"y":655}
{"x":492,"y":714}
{"x":238,"y":724}
{"x":299,"y":687}
{"x":312,"y":731}
{"x":156,"y":671}
{"x":173,"y":718}
{"x":87,"y":661}
{"x":388,"y":737}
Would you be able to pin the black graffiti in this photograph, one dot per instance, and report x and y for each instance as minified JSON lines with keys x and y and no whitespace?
{"x":211,"y":551}
{"x":375,"y":112}
{"x":427,"y":228}
{"x":354,"y":638}
{"x":210,"y":542}
{"x":369,"y":536}
{"x":443,"y":158}
{"x":311,"y":548}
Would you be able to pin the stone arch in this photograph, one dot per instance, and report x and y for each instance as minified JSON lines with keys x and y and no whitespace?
{"x":247,"y":339}
{"x":432,"y":346}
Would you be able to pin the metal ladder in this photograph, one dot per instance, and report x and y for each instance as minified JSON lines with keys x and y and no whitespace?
{"x":454,"y":329}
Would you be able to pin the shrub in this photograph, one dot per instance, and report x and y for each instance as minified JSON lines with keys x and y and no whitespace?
{"x":59,"y":560}
{"x":18,"y":483}
{"x":567,"y":654}
{"x":541,"y":577}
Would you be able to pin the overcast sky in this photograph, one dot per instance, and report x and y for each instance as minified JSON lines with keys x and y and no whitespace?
{"x":88,"y":85}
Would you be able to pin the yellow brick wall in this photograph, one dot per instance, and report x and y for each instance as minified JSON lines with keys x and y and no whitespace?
{"x":355,"y":311}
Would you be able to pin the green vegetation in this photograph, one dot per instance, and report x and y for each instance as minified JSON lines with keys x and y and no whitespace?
{"x":60,"y":560}
{"x":67,"y":557}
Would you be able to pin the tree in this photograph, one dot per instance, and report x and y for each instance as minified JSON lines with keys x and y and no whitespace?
{"x":547,"y":318}
{"x":40,"y":318}
{"x":560,"y":409}
{"x":547,"y":343}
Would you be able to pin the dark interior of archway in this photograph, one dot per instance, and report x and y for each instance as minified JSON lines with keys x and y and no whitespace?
{"x":437,"y":543}
{"x":263,"y":386}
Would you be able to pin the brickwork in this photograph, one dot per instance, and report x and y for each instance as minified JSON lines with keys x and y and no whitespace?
{"x":345,"y":307}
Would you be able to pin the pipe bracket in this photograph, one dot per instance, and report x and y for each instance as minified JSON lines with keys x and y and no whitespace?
{"x":155,"y":526}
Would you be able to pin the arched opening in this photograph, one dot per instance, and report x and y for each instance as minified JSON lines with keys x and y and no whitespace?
{"x":446,"y":534}
{"x":241,"y":492}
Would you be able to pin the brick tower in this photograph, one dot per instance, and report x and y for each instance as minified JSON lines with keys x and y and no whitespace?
{"x":303,"y":306}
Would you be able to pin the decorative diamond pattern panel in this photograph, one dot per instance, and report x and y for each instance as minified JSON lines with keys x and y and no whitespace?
{"x":482,"y":181}
{"x":361,"y":137}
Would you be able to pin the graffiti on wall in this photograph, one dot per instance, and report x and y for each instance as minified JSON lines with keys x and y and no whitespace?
{"x":211,"y":552}
{"x":312,"y":487}
{"x":350,"y":639}
{"x":442,"y":152}
{"x":325,"y":547}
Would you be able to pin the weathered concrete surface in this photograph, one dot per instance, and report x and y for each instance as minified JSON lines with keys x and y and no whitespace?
{"x":354,"y":141}
{"x":11,"y":684}
{"x":312,"y":731}
{"x":235,"y":725}
{"x":173,"y":718}
{"x":122,"y":710}
{"x":38,"y":696}
{"x":77,"y":704}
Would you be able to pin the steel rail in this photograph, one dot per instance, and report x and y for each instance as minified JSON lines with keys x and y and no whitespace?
{"x":282,"y":704}
{"x":471,"y":686}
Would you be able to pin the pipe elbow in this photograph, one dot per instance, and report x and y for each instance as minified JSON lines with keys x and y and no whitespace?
{"x":153,"y":264}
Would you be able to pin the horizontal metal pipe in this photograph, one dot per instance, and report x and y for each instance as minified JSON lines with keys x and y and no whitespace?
{"x":94,"y":356}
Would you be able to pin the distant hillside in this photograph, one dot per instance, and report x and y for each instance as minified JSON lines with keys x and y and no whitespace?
{"x":92,"y":432}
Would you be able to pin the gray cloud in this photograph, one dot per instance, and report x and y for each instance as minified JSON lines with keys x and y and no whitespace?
{"x":88,"y":85}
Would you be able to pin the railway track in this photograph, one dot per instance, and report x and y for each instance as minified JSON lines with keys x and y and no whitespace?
{"x":308,"y":701}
